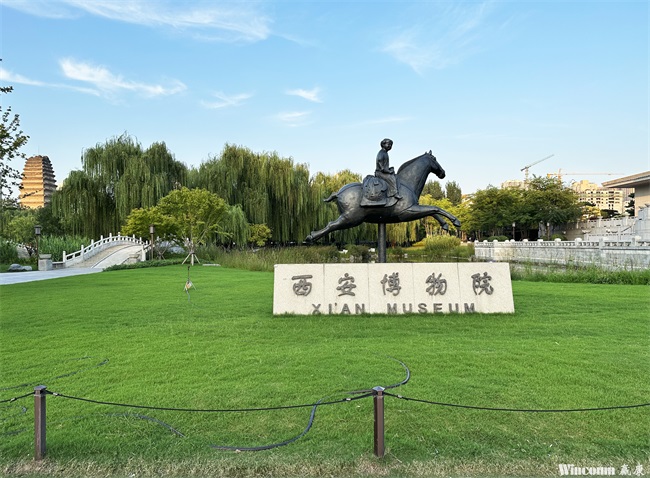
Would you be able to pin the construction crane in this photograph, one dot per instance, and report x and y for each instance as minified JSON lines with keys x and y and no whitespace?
{"x":525,"y":168}
{"x":559,"y":174}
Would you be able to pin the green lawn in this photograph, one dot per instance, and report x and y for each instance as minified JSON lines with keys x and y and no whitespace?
{"x":133,"y":337}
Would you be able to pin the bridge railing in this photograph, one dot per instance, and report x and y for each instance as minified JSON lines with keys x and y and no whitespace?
{"x":95,"y":247}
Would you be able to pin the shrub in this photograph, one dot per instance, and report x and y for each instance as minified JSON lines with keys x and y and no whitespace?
{"x":358,"y":253}
{"x":55,"y":245}
{"x":8,"y":251}
{"x":497,"y":238}
{"x":440,"y":247}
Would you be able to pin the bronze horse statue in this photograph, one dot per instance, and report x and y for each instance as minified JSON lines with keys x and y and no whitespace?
{"x":411,"y":176}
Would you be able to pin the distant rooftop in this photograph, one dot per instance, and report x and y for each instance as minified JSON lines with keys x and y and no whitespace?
{"x":633,"y":181}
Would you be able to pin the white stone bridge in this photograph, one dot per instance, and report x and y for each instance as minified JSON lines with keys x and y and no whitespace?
{"x":106,"y":252}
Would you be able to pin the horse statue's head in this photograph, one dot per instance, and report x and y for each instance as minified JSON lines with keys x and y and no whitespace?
{"x":435,"y":167}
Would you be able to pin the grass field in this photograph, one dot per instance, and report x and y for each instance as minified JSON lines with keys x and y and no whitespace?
{"x":133,"y":337}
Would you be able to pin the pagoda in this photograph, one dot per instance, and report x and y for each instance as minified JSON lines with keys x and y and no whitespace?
{"x":38,"y":182}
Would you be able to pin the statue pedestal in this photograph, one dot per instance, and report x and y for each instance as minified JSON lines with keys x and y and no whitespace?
{"x":399,"y":288}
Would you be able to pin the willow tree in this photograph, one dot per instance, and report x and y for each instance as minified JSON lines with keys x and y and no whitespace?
{"x":270,"y":190}
{"x":83,"y":206}
{"x":117,"y":177}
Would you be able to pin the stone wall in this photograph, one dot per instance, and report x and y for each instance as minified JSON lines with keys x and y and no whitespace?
{"x":630,"y":255}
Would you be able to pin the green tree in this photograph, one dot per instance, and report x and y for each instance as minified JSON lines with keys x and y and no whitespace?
{"x":138,"y":222}
{"x":493,"y":210}
{"x":270,"y":190}
{"x":21,"y":227}
{"x":117,"y":177}
{"x":453,"y":193}
{"x":259,"y":234}
{"x":195,"y":213}
{"x":547,"y":200}
{"x":12,"y":139}
{"x":234,"y":230}
{"x":630,"y":207}
{"x":433,"y":189}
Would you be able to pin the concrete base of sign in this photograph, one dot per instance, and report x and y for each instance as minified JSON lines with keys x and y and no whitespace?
{"x":422,"y":288}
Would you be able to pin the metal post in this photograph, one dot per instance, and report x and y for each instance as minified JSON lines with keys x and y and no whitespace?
{"x":152,"y":230}
{"x":378,"y":398}
{"x":39,"y":422}
{"x":381,"y":243}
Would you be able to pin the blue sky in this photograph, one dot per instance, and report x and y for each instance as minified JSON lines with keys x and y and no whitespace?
{"x":489,"y":87}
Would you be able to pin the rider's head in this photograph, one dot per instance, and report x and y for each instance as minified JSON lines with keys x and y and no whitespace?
{"x":386,"y":144}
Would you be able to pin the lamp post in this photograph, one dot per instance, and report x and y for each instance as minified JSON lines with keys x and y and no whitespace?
{"x":152,"y":230}
{"x":37,"y":233}
{"x":548,"y":231}
{"x":513,"y":230}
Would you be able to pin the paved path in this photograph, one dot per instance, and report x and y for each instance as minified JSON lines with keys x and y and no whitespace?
{"x":115,"y":255}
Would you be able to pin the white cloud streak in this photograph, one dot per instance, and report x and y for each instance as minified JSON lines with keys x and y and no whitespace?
{"x":207,"y":20}
{"x":446,"y":40}
{"x":225,"y":101}
{"x":309,"y":95}
{"x":10,"y":77}
{"x":108,"y":83}
{"x":294,"y":118}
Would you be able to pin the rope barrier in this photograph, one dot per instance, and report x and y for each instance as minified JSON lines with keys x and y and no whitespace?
{"x":203,"y":410}
{"x":31,"y":394}
{"x":376,"y":392}
{"x":524,"y":410}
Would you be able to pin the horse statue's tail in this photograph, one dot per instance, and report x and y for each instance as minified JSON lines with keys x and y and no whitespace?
{"x":332,"y":197}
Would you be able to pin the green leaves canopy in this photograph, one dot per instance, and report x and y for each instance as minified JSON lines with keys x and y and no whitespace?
{"x":195,"y":213}
{"x":117,"y":177}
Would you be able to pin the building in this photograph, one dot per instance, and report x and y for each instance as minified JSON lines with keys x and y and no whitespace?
{"x":641,"y":184}
{"x":38,"y":182}
{"x":513,"y":183}
{"x":601,"y":197}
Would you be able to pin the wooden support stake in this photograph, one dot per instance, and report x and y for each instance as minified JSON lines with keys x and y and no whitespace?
{"x":378,"y":397}
{"x":39,"y":422}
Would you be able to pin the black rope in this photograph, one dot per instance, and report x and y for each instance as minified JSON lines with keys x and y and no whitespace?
{"x":395,"y":385}
{"x":312,"y":415}
{"x":403,"y":382}
{"x":31,"y":394}
{"x":151,"y":419}
{"x":83,"y":417}
{"x":525,"y":410}
{"x":202,"y":410}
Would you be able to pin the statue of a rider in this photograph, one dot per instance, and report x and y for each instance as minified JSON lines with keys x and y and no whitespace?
{"x":384,"y":171}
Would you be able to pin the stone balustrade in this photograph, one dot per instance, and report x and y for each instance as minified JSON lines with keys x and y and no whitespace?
{"x":95,"y":247}
{"x":630,"y":254}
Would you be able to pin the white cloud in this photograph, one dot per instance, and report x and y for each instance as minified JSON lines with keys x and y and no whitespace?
{"x":10,"y":77}
{"x":294,"y":118}
{"x":208,"y":20}
{"x":309,"y":95}
{"x":226,"y":100}
{"x":448,"y":38}
{"x":108,"y":83}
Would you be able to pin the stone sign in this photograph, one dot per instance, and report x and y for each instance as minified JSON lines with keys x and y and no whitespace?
{"x":418,"y":288}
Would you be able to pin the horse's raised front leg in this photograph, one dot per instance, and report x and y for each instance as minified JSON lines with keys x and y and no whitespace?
{"x":336,"y":225}
{"x":418,"y":211}
{"x":443,"y":224}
